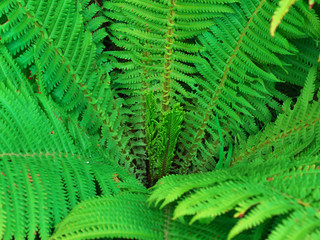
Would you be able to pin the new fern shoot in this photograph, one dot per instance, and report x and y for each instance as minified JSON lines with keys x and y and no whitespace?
{"x":159,"y":119}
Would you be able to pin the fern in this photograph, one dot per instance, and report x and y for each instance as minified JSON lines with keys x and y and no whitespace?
{"x":253,"y":194}
{"x":162,"y":134}
{"x":69,"y":75}
{"x":43,"y":173}
{"x":274,"y":184}
{"x":271,"y":188}
{"x":51,"y":155}
{"x":236,"y":86}
{"x":157,"y":58}
{"x":130,"y":222}
{"x":294,"y":133}
{"x":171,"y":119}
{"x":279,"y":14}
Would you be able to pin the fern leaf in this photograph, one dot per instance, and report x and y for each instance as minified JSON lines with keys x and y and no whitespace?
{"x":235,"y":85}
{"x":252,"y":192}
{"x":294,"y":132}
{"x":67,"y":56}
{"x":44,"y":171}
{"x":280,"y":12}
{"x":153,"y":36}
{"x":43,"y":174}
{"x":162,"y":133}
{"x":124,"y":216}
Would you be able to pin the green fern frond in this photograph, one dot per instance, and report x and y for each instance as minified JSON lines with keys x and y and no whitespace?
{"x":280,"y":12}
{"x":94,"y":20}
{"x":311,"y":20}
{"x":298,"y":67}
{"x":153,"y":35}
{"x":169,"y":132}
{"x":96,"y":97}
{"x":235,"y":85}
{"x":126,"y":215}
{"x":70,"y":74}
{"x":271,"y":182}
{"x":251,"y":193}
{"x":294,"y":133}
{"x":162,"y":132}
{"x":43,"y":174}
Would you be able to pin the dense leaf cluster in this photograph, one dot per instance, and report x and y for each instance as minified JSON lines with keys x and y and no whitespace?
{"x":159,"y":119}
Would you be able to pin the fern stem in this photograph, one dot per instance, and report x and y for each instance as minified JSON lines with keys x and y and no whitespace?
{"x":167,"y":64}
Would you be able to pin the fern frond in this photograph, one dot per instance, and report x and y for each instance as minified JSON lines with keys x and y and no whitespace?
{"x":43,"y":174}
{"x":153,"y":35}
{"x":235,"y":85}
{"x":298,"y":67}
{"x":66,"y":55}
{"x":127,"y":215}
{"x":162,"y":133}
{"x":94,"y":20}
{"x":169,"y":132}
{"x":252,"y":193}
{"x":280,"y":12}
{"x":295,"y":132}
{"x":95,"y":98}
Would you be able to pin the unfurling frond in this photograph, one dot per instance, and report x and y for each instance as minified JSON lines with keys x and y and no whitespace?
{"x":162,"y":132}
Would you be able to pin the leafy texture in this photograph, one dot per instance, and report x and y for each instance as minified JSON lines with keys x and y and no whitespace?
{"x":224,"y":72}
{"x":159,"y":55}
{"x":99,"y":102}
{"x":238,"y":83}
{"x":257,"y":195}
{"x":268,"y":197}
{"x":65,"y":53}
{"x":47,"y":163}
{"x":280,"y":12}
{"x":162,"y":133}
{"x":124,"y":216}
{"x":43,"y":174}
{"x":294,"y":133}
{"x":273,"y":186}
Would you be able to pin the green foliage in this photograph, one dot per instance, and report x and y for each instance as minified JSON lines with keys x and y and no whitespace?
{"x":271,"y":183}
{"x":193,"y":98}
{"x":294,"y":133}
{"x":270,"y":197}
{"x":159,"y":53}
{"x":124,"y":215}
{"x":237,"y":83}
{"x":162,"y":133}
{"x":44,"y":173}
{"x":280,"y":12}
